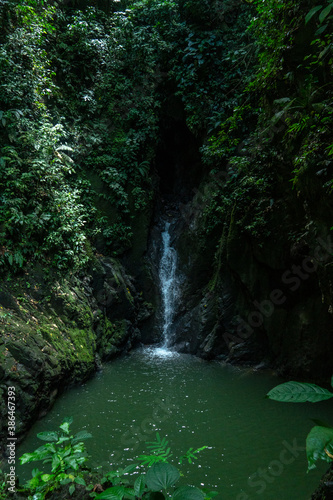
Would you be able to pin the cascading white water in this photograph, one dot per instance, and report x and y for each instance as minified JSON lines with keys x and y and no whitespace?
{"x":168,"y":284}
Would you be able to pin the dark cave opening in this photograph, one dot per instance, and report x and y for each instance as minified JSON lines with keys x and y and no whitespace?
{"x":178,"y":160}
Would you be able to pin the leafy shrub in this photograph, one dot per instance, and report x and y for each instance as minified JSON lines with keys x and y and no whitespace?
{"x":66,"y":455}
{"x":319,"y":442}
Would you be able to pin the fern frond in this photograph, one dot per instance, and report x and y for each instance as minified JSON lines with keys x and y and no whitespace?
{"x":191,"y":455}
{"x":158,"y":447}
{"x":152,"y":459}
{"x":160,"y":451}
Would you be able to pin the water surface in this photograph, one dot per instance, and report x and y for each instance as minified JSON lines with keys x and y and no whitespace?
{"x":255,"y":445}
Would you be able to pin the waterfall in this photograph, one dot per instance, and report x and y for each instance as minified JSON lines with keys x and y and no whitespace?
{"x":168,"y":284}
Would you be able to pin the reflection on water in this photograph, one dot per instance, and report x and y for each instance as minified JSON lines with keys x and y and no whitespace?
{"x":255,"y":445}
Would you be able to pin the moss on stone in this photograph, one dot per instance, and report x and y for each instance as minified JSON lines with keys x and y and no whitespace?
{"x":53,"y":329}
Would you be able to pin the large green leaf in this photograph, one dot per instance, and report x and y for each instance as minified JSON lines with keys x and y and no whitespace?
{"x":129,"y":468}
{"x":28,"y":457}
{"x":44,"y":452}
{"x":55,"y":462}
{"x":319,"y":439}
{"x":130,"y":493}
{"x":65,"y":427}
{"x":114,"y":493}
{"x":325,"y":12}
{"x":73,"y":462}
{"x":80,"y":480}
{"x":312,"y":13}
{"x":63,"y":438}
{"x":65,"y":480}
{"x":80,"y":436}
{"x":139,"y":485}
{"x":161,"y":476}
{"x":298,"y":392}
{"x":46,"y":477}
{"x":188,"y":493}
{"x":48,"y":436}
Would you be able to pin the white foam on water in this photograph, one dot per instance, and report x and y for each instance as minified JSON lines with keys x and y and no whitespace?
{"x":161,"y":352}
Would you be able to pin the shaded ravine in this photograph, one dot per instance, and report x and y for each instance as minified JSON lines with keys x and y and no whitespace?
{"x":193,"y":403}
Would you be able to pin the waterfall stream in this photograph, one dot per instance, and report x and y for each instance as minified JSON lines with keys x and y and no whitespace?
{"x":169,"y":285}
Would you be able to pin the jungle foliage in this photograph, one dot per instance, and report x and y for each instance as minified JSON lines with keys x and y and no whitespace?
{"x":81,"y":97}
{"x":84,"y":88}
{"x":319,"y":442}
{"x":66,"y":454}
{"x":276,"y":141}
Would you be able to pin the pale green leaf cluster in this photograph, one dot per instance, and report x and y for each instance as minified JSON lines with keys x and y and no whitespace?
{"x":66,"y":455}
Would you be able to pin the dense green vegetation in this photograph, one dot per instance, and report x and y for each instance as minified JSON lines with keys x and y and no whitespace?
{"x":61,"y":135}
{"x":89,"y":93}
{"x":83,"y":93}
{"x":67,"y":456}
{"x":277,"y":137}
{"x":81,"y":98}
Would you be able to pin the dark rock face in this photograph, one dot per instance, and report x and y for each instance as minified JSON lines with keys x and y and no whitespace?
{"x":249,"y":303}
{"x":325,"y":488}
{"x":55,"y":334}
